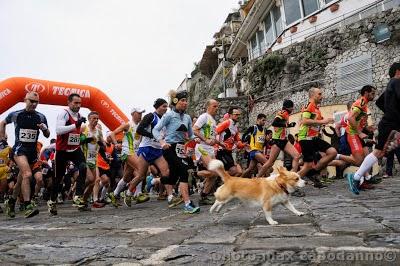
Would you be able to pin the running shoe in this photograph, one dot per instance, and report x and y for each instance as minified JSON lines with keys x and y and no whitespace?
{"x":353,"y":184}
{"x":10,"y":208}
{"x":190,"y":208}
{"x":52,"y":207}
{"x":175,"y":201}
{"x":31,"y":210}
{"x":142,"y":198}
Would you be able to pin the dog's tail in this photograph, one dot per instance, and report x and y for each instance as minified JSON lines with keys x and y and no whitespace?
{"x":218,"y":167}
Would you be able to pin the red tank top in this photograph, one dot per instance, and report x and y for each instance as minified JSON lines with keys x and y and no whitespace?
{"x":69,"y":141}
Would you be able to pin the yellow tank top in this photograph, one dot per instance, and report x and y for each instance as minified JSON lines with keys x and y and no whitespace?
{"x":4,"y":156}
{"x":257,"y":140}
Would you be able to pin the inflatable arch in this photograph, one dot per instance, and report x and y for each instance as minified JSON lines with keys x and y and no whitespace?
{"x":13,"y":90}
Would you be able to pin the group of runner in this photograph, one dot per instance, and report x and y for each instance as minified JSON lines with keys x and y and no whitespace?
{"x":164,"y":150}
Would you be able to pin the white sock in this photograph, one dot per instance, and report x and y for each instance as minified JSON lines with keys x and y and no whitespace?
{"x":103,"y":193}
{"x":337,"y":156}
{"x":368,"y":177}
{"x":138,"y":189}
{"x":153,"y":181}
{"x":129,"y":192}
{"x":121,"y":185}
{"x":170,"y":197}
{"x":187,"y":203}
{"x":366,"y":165}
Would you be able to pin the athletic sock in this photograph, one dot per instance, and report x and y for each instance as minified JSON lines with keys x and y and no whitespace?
{"x":120,"y":186}
{"x":366,"y":165}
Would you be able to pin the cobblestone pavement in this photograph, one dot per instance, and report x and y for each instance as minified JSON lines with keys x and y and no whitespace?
{"x":339,"y":228}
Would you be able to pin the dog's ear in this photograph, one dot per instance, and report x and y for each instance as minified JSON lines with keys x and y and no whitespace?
{"x":281,"y":169}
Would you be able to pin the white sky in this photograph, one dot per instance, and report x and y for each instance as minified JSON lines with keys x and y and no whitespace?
{"x":134,"y":51}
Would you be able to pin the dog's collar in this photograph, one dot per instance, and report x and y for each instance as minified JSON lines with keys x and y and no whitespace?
{"x":283,"y":188}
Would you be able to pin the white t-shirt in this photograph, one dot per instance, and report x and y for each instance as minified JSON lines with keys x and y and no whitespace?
{"x":207,"y":125}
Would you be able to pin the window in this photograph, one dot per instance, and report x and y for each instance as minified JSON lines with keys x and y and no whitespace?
{"x":261,"y":42}
{"x":269,"y":30}
{"x":309,"y":6}
{"x":292,"y":11}
{"x":354,"y":74}
{"x":276,"y":14}
{"x":254,"y":48}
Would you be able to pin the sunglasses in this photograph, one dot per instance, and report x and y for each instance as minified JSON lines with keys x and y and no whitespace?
{"x":33,"y":101}
{"x":236,"y":114}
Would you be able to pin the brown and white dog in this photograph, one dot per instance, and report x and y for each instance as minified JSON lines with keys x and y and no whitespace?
{"x":264,"y":192}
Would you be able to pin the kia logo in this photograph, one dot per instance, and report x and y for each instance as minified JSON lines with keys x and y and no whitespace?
{"x":105,"y":104}
{"x":35,"y":87}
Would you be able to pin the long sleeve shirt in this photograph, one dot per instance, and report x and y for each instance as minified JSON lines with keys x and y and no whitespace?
{"x":178,"y":127}
{"x":62,"y":118}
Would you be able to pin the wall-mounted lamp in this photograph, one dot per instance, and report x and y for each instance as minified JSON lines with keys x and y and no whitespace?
{"x":381,"y":33}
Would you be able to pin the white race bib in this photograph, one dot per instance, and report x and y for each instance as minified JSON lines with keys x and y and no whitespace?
{"x":74,"y":139}
{"x":27,"y":135}
{"x":45,"y":170}
{"x":92,"y":155}
{"x":180,"y":150}
{"x":261,"y":139}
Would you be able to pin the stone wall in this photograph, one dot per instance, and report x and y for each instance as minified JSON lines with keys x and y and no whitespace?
{"x":316,"y":59}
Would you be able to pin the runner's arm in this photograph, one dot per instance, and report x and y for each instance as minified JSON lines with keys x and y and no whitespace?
{"x":306,"y":120}
{"x":146,"y":121}
{"x":3,"y":129}
{"x":45,"y":127}
{"x":246,"y":135}
{"x":355,"y":111}
{"x":121,"y":128}
{"x":223,"y":126}
{"x":61,"y":128}
{"x":279,"y":122}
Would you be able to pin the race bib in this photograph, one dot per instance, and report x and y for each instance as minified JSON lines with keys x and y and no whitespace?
{"x":45,"y":171}
{"x":74,"y":139}
{"x":180,"y":150}
{"x":27,"y":135}
{"x":92,"y":155}
{"x":261,"y":139}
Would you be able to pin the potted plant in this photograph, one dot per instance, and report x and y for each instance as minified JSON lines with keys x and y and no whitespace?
{"x":293,"y":29}
{"x":334,"y":7}
{"x":312,"y":19}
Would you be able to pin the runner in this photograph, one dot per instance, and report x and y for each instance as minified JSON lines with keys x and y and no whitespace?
{"x":280,"y":139}
{"x":102,"y":184}
{"x":178,"y":130}
{"x":389,"y":104}
{"x":205,"y":130}
{"x":68,"y":130}
{"x":91,"y":141}
{"x":149,"y":152}
{"x":310,"y":141}
{"x":256,"y":137}
{"x":228,"y":132}
{"x":357,"y":122}
{"x":130,"y":146}
{"x":27,"y":124}
{"x":5,"y":152}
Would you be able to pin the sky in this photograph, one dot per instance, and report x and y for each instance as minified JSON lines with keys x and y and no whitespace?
{"x":134,"y":51}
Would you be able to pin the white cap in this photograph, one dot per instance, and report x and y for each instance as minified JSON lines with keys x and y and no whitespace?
{"x":138,"y":110}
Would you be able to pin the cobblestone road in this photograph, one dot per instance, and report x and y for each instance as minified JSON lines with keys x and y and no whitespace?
{"x":339,"y":228}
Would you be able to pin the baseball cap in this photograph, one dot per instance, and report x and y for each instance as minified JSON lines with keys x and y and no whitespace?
{"x":138,"y":110}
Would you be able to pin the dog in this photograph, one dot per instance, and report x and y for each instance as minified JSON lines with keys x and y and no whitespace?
{"x":264,"y":192}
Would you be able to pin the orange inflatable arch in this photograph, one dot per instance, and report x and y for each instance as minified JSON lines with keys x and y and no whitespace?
{"x":13,"y":90}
